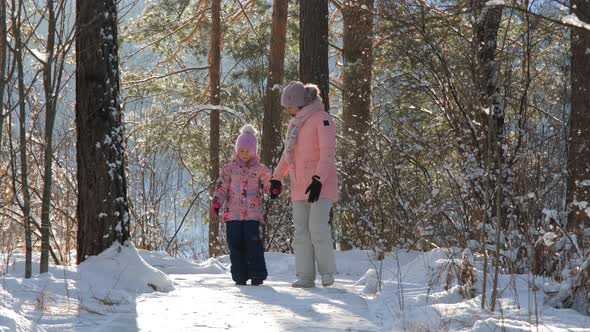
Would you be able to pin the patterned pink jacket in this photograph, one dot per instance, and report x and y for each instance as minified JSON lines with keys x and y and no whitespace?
{"x":240,"y":188}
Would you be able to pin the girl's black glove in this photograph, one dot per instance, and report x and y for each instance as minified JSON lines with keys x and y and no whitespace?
{"x":314,"y":189}
{"x":276,"y":187}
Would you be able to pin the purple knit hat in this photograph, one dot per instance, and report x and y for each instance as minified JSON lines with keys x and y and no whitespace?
{"x":247,"y":139}
{"x":293,"y":95}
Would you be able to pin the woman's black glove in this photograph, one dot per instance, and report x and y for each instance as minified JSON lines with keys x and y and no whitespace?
{"x":314,"y":189}
{"x":276,"y":187}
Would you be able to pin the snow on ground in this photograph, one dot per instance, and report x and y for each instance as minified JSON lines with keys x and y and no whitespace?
{"x":413,"y":299}
{"x":125,"y":289}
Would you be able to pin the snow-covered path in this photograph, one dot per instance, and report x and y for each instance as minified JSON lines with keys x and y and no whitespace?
{"x":113,"y":292}
{"x":211,"y":302}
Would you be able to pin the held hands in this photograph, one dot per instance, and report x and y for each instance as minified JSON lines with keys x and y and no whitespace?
{"x":314,"y":189}
{"x":276,"y":187}
{"x":215,"y":206}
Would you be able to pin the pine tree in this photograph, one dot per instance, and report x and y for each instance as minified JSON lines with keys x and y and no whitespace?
{"x":578,"y":184}
{"x":102,"y":210}
{"x":313,"y":46}
{"x":356,"y":96}
{"x":272,"y":126}
{"x":214,"y":99}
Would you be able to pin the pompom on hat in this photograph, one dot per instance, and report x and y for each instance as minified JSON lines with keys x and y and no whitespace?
{"x":297,"y":94}
{"x":247,"y":139}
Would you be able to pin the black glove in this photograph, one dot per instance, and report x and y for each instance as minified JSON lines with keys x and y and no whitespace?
{"x":276,"y":188}
{"x":314,"y":189}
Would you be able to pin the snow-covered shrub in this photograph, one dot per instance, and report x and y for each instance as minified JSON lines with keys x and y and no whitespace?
{"x":371,"y":280}
{"x":467,"y":277}
{"x":575,"y":289}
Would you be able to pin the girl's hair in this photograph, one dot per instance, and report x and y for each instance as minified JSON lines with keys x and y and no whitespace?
{"x":312,"y":93}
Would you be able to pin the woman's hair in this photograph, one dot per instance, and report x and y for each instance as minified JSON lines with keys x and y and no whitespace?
{"x":312,"y":93}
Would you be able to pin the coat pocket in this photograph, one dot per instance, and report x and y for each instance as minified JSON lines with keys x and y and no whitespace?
{"x":309,"y":167}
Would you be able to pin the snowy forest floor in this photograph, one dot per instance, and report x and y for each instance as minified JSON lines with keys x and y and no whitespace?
{"x":115,"y":292}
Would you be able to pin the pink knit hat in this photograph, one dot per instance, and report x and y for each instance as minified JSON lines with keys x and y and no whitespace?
{"x":293,"y":95}
{"x":247,"y":139}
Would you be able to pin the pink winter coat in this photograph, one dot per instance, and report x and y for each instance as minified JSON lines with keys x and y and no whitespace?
{"x":313,"y":154}
{"x":240,"y":188}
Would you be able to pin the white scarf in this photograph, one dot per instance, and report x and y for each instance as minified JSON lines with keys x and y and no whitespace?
{"x":295,"y":125}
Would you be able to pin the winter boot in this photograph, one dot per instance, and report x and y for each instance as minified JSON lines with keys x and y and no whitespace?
{"x":256,"y":282}
{"x":327,"y":279}
{"x":303,"y":283}
{"x":240,"y":282}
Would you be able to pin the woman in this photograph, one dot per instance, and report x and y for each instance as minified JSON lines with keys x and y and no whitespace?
{"x":309,"y":160}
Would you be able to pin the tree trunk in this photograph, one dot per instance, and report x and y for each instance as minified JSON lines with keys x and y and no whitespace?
{"x":103,"y":213}
{"x":498,"y":126}
{"x":3,"y":74}
{"x":313,"y":46}
{"x":356,"y":104}
{"x":26,"y":206}
{"x":272,"y":125}
{"x":578,"y":166}
{"x":50,"y":111}
{"x":214,"y":99}
{"x":486,"y":34}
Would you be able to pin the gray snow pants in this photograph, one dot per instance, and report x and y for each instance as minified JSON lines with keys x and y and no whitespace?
{"x":313,"y":241}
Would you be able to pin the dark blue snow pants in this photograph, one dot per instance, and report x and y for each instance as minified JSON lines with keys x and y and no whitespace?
{"x":245,"y":250}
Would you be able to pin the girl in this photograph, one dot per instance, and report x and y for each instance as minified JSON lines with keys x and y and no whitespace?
{"x":239,"y":191}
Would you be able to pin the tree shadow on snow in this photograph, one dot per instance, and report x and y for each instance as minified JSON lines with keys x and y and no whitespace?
{"x":315,"y":308}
